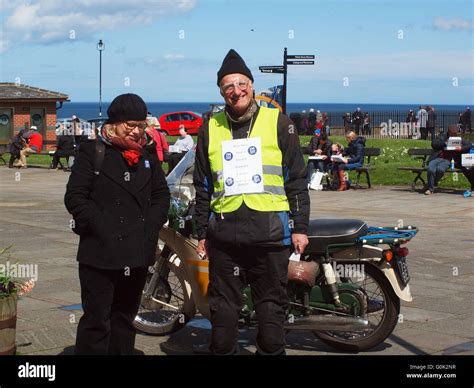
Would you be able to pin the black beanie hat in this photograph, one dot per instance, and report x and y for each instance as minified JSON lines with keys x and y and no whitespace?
{"x":233,"y":63}
{"x":127,"y":107}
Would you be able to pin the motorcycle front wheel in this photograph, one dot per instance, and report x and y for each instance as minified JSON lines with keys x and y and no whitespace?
{"x":382,"y":310}
{"x":169,"y":306}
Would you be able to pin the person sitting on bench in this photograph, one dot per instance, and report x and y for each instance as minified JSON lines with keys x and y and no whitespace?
{"x":17,"y":144}
{"x":319,"y":146}
{"x":353,"y":157}
{"x":65,"y":148}
{"x":182,"y":145}
{"x":440,"y":159}
{"x":34,"y":146}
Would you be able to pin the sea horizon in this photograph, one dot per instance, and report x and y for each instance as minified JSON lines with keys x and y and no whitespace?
{"x":90,"y":109}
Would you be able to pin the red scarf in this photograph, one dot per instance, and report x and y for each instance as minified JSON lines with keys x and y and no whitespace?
{"x":131,"y":150}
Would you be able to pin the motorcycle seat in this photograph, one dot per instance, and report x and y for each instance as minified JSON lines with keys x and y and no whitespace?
{"x":324,"y":232}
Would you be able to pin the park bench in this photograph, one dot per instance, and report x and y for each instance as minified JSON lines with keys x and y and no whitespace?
{"x":367,"y":166}
{"x":422,"y":154}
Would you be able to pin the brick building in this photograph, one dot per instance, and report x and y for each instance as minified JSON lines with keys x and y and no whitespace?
{"x":22,"y":106}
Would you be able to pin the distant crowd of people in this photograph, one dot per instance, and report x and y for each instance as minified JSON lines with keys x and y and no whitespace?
{"x":422,"y":122}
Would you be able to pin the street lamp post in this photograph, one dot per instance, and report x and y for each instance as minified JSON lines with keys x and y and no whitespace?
{"x":100,"y":47}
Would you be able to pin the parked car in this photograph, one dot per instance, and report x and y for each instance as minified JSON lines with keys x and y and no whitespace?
{"x":170,"y":123}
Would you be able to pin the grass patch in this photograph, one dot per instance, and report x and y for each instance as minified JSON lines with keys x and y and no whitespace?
{"x":393,"y":155}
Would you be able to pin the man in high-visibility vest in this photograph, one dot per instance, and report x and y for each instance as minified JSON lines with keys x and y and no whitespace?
{"x":252,"y":204}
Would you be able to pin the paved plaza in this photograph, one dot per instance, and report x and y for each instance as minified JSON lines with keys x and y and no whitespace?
{"x":438,"y":321}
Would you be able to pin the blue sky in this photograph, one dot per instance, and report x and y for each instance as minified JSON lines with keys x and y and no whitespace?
{"x":170,"y":50}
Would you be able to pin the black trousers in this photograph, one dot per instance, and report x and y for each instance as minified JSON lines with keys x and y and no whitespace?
{"x":424,"y":133}
{"x":230,"y":270}
{"x":110,"y":300}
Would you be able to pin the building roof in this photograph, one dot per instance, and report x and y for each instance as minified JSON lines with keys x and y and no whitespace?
{"x":13,"y":91}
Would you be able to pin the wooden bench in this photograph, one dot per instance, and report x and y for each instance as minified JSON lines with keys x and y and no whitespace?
{"x":367,"y":166}
{"x":422,"y":154}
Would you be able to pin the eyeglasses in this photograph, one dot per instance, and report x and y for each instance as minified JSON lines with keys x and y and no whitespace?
{"x":230,"y":87}
{"x":130,"y":126}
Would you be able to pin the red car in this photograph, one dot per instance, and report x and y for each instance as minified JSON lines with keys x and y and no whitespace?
{"x":172,"y":122}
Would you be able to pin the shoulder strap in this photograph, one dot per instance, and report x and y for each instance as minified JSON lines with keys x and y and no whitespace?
{"x":98,"y":156}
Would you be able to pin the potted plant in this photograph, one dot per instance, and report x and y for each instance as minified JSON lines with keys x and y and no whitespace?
{"x":10,"y":290}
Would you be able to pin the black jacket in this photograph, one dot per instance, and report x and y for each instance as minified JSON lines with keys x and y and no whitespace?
{"x":246,"y":226}
{"x":65,"y":145}
{"x":119,"y":212}
{"x":315,"y":144}
{"x":355,"y":150}
{"x":439,"y":144}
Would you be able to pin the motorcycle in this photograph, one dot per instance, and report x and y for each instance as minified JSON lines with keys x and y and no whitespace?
{"x":346,"y":287}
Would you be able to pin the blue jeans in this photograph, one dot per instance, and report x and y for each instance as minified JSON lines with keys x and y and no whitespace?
{"x":315,"y":165}
{"x":436,"y":169}
{"x":344,"y":166}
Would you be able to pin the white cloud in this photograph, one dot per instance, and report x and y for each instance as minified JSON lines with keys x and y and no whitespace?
{"x":173,"y":57}
{"x":50,"y":21}
{"x":455,"y":24}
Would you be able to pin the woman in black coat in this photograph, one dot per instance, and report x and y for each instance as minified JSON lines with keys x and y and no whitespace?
{"x":118,"y":214}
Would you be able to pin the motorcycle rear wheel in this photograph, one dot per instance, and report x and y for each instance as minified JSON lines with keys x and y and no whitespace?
{"x":170,"y":306}
{"x":384,"y":319}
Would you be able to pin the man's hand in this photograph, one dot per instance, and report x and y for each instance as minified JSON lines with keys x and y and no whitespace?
{"x":201,"y":248}
{"x":457,"y":149}
{"x":346,"y":160}
{"x":318,"y":152}
{"x":300,"y":241}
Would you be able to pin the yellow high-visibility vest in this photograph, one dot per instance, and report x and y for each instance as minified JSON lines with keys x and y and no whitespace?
{"x":274,"y":197}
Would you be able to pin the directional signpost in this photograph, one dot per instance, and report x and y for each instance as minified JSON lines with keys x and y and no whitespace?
{"x":287,"y":60}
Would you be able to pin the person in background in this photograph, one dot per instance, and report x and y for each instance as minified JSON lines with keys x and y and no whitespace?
{"x":304,"y":125}
{"x":366,"y":128}
{"x":440,"y":159}
{"x":431,"y":122}
{"x":357,"y":119}
{"x":325,"y":120}
{"x":17,"y":144}
{"x":320,"y":146}
{"x":34,"y":146}
{"x":118,"y":212}
{"x":336,"y":149}
{"x":421,"y":121}
{"x":65,"y":147}
{"x":347,"y":122}
{"x":465,"y":120}
{"x":311,"y":120}
{"x":162,"y":147}
{"x":353,"y":158}
{"x":182,"y":145}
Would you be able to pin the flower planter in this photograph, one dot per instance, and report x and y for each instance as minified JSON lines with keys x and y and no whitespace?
{"x":8,"y":325}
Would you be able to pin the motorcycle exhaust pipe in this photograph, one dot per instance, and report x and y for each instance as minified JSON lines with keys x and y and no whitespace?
{"x":327,"y":323}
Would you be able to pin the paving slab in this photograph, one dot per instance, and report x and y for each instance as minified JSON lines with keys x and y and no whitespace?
{"x":439,"y":320}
